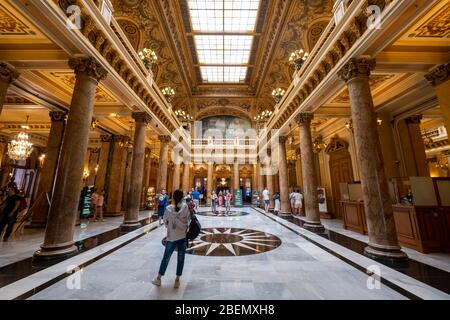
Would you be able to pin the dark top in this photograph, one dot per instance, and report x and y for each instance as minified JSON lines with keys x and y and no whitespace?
{"x":10,"y":204}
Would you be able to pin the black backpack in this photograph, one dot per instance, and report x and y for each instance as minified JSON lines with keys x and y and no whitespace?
{"x":194,"y":228}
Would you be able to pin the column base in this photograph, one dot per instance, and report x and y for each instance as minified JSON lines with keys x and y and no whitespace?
{"x":285,"y":214}
{"x":36,"y":225}
{"x":393,"y":255}
{"x":130,"y":226}
{"x":315,"y":227}
{"x":52,"y":253}
{"x":113,"y":214}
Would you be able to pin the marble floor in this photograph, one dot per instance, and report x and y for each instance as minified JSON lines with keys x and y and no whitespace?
{"x":296,"y":269}
{"x":22,"y":245}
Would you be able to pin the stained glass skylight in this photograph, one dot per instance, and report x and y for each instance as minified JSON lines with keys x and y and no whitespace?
{"x":223,"y":37}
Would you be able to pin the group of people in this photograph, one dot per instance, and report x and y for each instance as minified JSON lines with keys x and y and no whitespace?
{"x":219,"y":200}
{"x":14,"y":205}
{"x":295,"y":199}
{"x":162,"y":200}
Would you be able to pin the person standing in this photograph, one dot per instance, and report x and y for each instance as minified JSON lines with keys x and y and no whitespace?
{"x":196,"y":198}
{"x":214,"y":202}
{"x":276,"y":198}
{"x":266,"y":199}
{"x":162,"y":204}
{"x":298,"y":202}
{"x":220,"y":199}
{"x":10,"y":212}
{"x":176,"y":220}
{"x":228,"y":198}
{"x":99,"y":205}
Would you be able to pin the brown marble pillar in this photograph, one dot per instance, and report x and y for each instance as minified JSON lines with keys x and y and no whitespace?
{"x":176,"y":176}
{"x":131,"y":219}
{"x":115,"y":178}
{"x":47,"y":177}
{"x":63,"y":211}
{"x":255,"y":178}
{"x":126,"y":184}
{"x":417,"y":157}
{"x":383,"y":242}
{"x":236,"y":181}
{"x":298,"y":171}
{"x":186,"y":177}
{"x":309,"y":174}
{"x":103,"y":160}
{"x":439,"y":78}
{"x":269,"y":179}
{"x":389,"y":151}
{"x":163,"y":162}
{"x":210,"y":182}
{"x":7,"y":75}
{"x":283,"y":177}
{"x":146,"y":175}
{"x":94,"y":154}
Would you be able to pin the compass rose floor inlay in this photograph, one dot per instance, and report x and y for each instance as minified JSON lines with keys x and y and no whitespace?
{"x":222,"y":213}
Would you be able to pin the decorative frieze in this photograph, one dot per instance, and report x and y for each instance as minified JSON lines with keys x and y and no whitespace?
{"x":303,"y":118}
{"x":7,"y":72}
{"x":357,"y":67}
{"x":439,"y":74}
{"x":57,"y":116}
{"x":88,"y":66}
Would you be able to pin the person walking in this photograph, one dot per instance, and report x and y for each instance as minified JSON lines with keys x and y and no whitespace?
{"x":214,"y":202}
{"x":266,"y":199}
{"x":196,"y":197}
{"x":162,"y":204}
{"x":10,"y":212}
{"x":176,"y":220}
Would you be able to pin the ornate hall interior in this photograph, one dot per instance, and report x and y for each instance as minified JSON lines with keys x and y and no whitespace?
{"x":323,"y":123}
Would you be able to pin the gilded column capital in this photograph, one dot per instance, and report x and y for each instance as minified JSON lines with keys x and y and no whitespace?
{"x":357,"y":67}
{"x":106,"y":138}
{"x":57,"y":116}
{"x":141,"y":117}
{"x":415,"y":119}
{"x":283,"y":139}
{"x":121,"y":139}
{"x":439,"y":74}
{"x":164,"y":139}
{"x":88,"y":66}
{"x":7,"y":72}
{"x":304,"y":118}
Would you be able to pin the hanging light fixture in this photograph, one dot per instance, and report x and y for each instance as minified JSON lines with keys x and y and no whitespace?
{"x":183,"y":115}
{"x":20,"y":148}
{"x":298,"y":58}
{"x":278,"y":94}
{"x":168,"y":93}
{"x":148,"y":57}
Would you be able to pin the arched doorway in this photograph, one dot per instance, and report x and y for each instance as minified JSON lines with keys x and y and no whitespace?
{"x":341,"y":169}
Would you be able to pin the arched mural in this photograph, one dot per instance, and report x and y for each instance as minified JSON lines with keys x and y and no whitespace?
{"x":226,"y":126}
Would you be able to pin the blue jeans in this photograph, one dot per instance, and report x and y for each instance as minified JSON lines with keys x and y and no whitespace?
{"x":170,"y":247}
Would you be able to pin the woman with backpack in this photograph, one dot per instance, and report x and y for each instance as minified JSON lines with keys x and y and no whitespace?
{"x":176,"y":220}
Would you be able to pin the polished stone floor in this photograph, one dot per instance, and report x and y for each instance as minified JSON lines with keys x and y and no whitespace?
{"x":296,"y":269}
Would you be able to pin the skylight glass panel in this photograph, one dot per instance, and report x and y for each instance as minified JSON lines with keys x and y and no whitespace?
{"x":223,"y":49}
{"x":223,"y":15}
{"x":223,"y":74}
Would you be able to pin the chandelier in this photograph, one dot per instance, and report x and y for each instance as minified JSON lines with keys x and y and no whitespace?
{"x":263,"y":116}
{"x":183,"y":115}
{"x":298,"y":58}
{"x":168,"y":93}
{"x":148,"y":57}
{"x":278,"y":94}
{"x":20,"y":148}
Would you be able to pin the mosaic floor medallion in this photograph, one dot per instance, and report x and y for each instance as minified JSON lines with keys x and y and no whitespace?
{"x":232,"y":242}
{"x":222,"y":213}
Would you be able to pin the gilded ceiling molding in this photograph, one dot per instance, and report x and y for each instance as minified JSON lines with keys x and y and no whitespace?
{"x":439,"y":74}
{"x":7,"y":72}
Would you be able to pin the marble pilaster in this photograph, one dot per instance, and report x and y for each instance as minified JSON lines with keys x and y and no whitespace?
{"x":47,"y":176}
{"x":269,"y":179}
{"x":186,"y":177}
{"x":7,"y":75}
{"x":131,"y":219}
{"x":146,"y":175}
{"x":309,"y":174}
{"x":210,"y":182}
{"x":176,"y":176}
{"x":236,"y":181}
{"x":103,"y":160}
{"x":383,"y":242}
{"x":163,"y":162}
{"x":283,"y":176}
{"x":439,"y":78}
{"x":63,"y":211}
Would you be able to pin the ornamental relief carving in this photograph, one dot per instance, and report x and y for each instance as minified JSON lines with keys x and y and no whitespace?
{"x":436,"y":27}
{"x":11,"y":25}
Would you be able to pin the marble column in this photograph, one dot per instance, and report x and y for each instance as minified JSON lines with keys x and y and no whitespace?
{"x":7,"y":75}
{"x":115,"y":178}
{"x":255,"y":178}
{"x":47,"y":176}
{"x":186,"y":177}
{"x":298,"y":171}
{"x":383,"y":242}
{"x":283,"y":177}
{"x":176,"y":176}
{"x":414,"y":148}
{"x":131,"y":219}
{"x":63,"y":211}
{"x":146,"y":175}
{"x":210,"y":182}
{"x":260,"y":177}
{"x":269,"y":179}
{"x":236,"y":181}
{"x":439,"y":78}
{"x":163,"y":162}
{"x":94,"y":154}
{"x":126,"y":184}
{"x":389,"y":151}
{"x":103,"y":160}
{"x":309,"y":174}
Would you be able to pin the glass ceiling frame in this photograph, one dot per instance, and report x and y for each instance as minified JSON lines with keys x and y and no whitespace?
{"x":223,"y":32}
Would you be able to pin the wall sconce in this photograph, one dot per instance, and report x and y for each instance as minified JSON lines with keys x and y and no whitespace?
{"x":42,"y":160}
{"x":148,"y":57}
{"x":278,"y":94}
{"x":96,"y":169}
{"x":85,"y":174}
{"x":298,"y":58}
{"x":168,"y":93}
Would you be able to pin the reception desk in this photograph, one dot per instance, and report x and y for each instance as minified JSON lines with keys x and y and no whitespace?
{"x":423,"y":228}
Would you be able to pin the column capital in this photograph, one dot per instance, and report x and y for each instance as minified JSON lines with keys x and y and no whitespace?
{"x":106,"y":138}
{"x":7,"y":72}
{"x":164,"y":139}
{"x":283,"y":139}
{"x":141,"y":117}
{"x":57,"y":116}
{"x":303,"y":118}
{"x":121,"y":138}
{"x":88,"y":66}
{"x":356,"y":67}
{"x":439,"y":74}
{"x":415,"y":119}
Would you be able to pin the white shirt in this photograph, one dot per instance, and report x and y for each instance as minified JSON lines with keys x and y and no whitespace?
{"x":266,"y":195}
{"x":298,"y":197}
{"x":177,"y":223}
